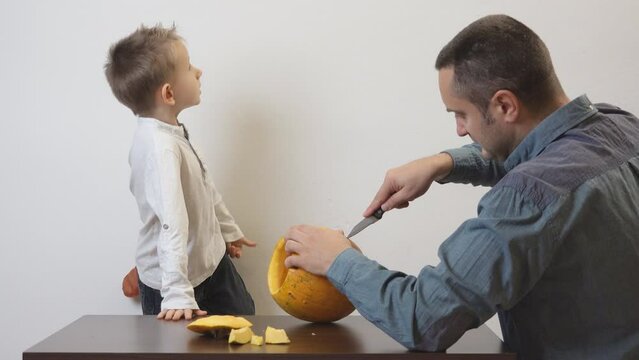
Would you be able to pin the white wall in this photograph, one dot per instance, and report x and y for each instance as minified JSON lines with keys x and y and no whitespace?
{"x":305,"y":105}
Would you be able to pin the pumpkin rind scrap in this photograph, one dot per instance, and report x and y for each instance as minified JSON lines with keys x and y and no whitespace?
{"x":213,"y":322}
{"x":275,"y":336}
{"x":304,"y":295}
{"x":241,"y":336}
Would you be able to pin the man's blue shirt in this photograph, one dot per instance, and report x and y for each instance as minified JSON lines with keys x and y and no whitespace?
{"x":554,"y":249}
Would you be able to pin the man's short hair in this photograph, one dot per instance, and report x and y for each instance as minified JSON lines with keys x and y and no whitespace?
{"x":495,"y":53}
{"x":139,"y":64}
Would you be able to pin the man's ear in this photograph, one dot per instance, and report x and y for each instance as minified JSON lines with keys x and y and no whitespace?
{"x":506,"y":105}
{"x":166,"y":94}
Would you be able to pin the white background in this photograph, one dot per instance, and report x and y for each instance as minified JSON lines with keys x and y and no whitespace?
{"x":305,"y":105}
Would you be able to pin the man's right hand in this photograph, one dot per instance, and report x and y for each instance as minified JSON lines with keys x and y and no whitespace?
{"x":408,"y":182}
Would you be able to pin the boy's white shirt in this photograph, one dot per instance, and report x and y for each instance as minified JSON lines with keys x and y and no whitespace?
{"x":185,"y":223}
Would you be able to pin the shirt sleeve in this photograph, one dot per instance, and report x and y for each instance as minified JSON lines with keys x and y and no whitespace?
{"x":488,"y":263}
{"x":230,"y":230}
{"x":470,"y":167}
{"x":170,"y":207}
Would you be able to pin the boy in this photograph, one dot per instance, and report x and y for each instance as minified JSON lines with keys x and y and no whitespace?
{"x":181,"y":261}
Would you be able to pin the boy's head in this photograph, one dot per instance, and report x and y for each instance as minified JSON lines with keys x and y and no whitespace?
{"x":149,"y":66}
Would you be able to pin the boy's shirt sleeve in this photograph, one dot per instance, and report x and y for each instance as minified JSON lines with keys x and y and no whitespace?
{"x":470,"y":167}
{"x":230,"y":230}
{"x":170,"y":207}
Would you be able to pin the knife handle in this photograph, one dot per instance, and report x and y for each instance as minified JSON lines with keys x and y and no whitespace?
{"x":378,"y":213}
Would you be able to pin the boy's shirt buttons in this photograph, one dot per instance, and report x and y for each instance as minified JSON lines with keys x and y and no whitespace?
{"x":165,"y":226}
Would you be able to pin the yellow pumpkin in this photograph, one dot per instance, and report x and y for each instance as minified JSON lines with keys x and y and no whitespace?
{"x":215,"y":322}
{"x":302,"y":294}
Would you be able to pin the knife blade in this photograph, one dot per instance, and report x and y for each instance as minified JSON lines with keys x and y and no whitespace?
{"x":366,"y":222}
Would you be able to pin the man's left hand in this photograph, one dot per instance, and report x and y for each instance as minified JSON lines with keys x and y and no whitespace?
{"x":313,"y":248}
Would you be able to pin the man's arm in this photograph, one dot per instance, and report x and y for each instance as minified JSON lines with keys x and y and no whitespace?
{"x":483,"y":267}
{"x":407,"y":182}
{"x":470,"y":167}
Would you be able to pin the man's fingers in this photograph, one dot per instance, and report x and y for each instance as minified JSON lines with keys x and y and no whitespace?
{"x":200,"y":312}
{"x":397,"y":201}
{"x":292,"y":261}
{"x":292,"y":246}
{"x":161,"y":314}
{"x":384,"y":192}
{"x":402,"y":205}
{"x":296,"y":232}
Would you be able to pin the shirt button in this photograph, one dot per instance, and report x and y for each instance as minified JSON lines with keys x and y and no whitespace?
{"x":165,"y":226}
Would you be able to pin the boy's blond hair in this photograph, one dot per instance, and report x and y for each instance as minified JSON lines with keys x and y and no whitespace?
{"x":139,"y":64}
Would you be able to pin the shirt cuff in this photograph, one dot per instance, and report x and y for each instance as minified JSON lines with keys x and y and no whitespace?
{"x":232,"y":236}
{"x":462,"y":164}
{"x":339,"y":271}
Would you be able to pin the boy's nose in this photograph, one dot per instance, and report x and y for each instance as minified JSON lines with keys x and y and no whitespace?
{"x":199,"y":73}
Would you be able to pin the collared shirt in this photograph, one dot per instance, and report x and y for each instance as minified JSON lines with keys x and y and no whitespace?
{"x":185,"y":223}
{"x":554,"y":249}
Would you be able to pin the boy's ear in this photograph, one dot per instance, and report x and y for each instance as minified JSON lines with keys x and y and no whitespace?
{"x":166,"y":94}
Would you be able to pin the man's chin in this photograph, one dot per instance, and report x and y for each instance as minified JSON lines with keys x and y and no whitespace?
{"x":485,"y":154}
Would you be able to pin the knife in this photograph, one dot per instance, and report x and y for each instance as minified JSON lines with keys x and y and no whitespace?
{"x":366,"y":222}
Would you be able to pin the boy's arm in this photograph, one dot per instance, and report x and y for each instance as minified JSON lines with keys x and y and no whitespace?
{"x":230,"y":230}
{"x":169,"y":205}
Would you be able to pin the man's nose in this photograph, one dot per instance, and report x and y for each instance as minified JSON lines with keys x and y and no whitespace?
{"x":461,"y":130}
{"x":199,"y":73}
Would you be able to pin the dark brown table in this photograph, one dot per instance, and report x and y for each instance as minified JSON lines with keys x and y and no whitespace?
{"x":99,"y":337}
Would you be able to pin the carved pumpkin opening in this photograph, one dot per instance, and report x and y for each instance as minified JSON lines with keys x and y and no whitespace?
{"x":304,"y":295}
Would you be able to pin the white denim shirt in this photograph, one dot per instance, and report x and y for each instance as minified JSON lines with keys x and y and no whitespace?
{"x":185,"y":223}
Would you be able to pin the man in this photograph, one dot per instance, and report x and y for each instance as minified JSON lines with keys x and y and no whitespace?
{"x":555,"y":240}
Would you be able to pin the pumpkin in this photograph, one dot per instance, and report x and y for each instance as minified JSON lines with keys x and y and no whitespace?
{"x":275,"y":336}
{"x":304,"y":295}
{"x":215,"y":322}
{"x":241,"y":335}
{"x":130,"y":283}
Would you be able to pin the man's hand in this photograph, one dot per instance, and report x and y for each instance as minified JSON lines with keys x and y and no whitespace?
{"x":177,"y":314}
{"x":408,"y":182}
{"x":235,"y":248}
{"x":313,"y":248}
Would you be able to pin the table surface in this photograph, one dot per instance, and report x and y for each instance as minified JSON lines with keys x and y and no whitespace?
{"x":145,"y":337}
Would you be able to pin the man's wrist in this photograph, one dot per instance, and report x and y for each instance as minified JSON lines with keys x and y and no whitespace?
{"x":444,"y":165}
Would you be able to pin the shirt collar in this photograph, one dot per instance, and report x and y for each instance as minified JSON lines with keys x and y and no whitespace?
{"x":168,"y":128}
{"x":552,"y":127}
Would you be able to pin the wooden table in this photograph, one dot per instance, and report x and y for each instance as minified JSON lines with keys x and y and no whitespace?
{"x":99,"y":337}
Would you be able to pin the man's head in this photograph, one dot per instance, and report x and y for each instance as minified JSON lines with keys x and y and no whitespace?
{"x":152,"y":65}
{"x":500,"y":71}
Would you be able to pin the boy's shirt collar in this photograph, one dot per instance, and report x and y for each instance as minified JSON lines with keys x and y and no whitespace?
{"x":171,"y":129}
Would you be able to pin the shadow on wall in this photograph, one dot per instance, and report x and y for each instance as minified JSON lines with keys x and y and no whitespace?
{"x":259,"y":179}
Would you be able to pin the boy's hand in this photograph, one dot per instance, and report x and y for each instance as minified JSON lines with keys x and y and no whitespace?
{"x":177,"y":314}
{"x":235,"y":248}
